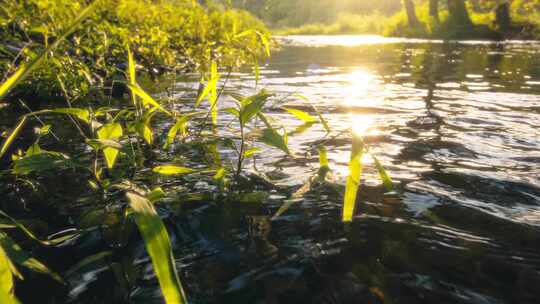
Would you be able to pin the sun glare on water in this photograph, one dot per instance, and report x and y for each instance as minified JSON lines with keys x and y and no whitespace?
{"x":357,"y":96}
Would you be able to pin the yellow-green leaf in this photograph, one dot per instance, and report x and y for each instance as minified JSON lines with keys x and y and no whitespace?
{"x":387,"y":181}
{"x":23,"y":258}
{"x":251,"y":152}
{"x":131,"y":67}
{"x":110,"y":131}
{"x":31,"y":235}
{"x":304,"y":116}
{"x":353,"y":182}
{"x":146,"y":98}
{"x":272,"y":138}
{"x":172,"y":170}
{"x":155,"y":195}
{"x":12,"y":135}
{"x":6,"y":279}
{"x":159,"y":249}
{"x":322,"y":120}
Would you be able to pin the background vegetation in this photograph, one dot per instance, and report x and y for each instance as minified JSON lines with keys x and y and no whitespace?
{"x":390,"y":17}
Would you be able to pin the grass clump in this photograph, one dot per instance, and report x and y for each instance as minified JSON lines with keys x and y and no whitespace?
{"x":165,"y":35}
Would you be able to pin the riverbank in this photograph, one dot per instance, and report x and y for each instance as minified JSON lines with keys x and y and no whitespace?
{"x":484,"y":27}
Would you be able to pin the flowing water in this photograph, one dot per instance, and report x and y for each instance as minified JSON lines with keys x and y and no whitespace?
{"x":457,"y":126}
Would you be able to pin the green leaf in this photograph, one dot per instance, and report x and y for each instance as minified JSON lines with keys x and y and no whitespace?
{"x":145,"y":131}
{"x":25,"y":69}
{"x":43,"y":161}
{"x":110,"y":132}
{"x":33,"y":150}
{"x":220,"y":174}
{"x":146,"y":99}
{"x":29,"y":233}
{"x":172,"y":170}
{"x":322,"y":120}
{"x":132,"y":75}
{"x":323,"y":161}
{"x":23,"y":258}
{"x":323,"y":157}
{"x":304,"y":116}
{"x":210,"y":90}
{"x":7,"y":270}
{"x":179,"y":126}
{"x":131,"y":67}
{"x":353,"y":182}
{"x":155,"y":195}
{"x":272,"y":138}
{"x":387,"y":181}
{"x":158,"y":245}
{"x":233,"y":111}
{"x":251,"y":152}
{"x":252,"y":106}
{"x":12,"y":135}
{"x":82,"y":114}
{"x":98,"y":144}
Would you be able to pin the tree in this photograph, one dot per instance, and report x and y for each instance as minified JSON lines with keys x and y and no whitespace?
{"x":410,"y":9}
{"x":502,"y":16}
{"x":458,"y":14}
{"x":434,"y":9}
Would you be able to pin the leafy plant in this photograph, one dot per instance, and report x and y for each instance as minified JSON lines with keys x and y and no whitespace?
{"x":158,"y":246}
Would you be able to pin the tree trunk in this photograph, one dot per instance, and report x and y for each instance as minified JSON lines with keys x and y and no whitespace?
{"x":458,"y":14}
{"x":434,"y":9}
{"x":411,"y":12}
{"x":502,"y":16}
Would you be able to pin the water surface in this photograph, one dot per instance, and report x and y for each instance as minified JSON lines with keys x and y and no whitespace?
{"x":456,"y":124}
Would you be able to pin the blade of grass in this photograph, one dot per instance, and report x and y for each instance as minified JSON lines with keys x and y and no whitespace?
{"x":12,"y":135}
{"x":159,"y":249}
{"x":23,"y":258}
{"x":353,"y":182}
{"x":31,"y":235}
{"x":386,"y":179}
{"x":146,"y":98}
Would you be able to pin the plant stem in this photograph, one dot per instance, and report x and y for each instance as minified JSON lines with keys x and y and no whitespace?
{"x":241,"y":153}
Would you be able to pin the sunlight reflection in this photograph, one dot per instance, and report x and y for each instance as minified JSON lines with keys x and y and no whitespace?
{"x":357,"y":93}
{"x":360,"y":82}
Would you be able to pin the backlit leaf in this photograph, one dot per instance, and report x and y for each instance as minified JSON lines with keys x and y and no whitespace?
{"x":272,"y":138}
{"x":31,"y":235}
{"x":387,"y":181}
{"x":155,"y":195}
{"x":253,"y":107}
{"x":172,"y":170}
{"x":159,"y":249}
{"x":110,"y":132}
{"x":23,"y":258}
{"x":147,"y":100}
{"x":322,"y":120}
{"x":304,"y":116}
{"x":12,"y":135}
{"x":82,"y":114}
{"x":7,"y":269}
{"x":353,"y":182}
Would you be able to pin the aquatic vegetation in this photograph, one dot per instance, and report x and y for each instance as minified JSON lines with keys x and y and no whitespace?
{"x":120,"y":43}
